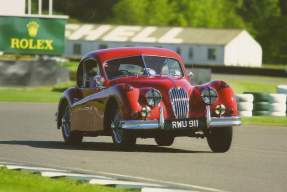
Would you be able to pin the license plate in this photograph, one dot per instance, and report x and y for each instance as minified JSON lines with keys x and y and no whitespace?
{"x":186,"y":123}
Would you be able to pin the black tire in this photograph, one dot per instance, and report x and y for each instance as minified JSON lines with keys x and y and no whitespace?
{"x":164,"y":140}
{"x":261,"y":106}
{"x":261,"y":113}
{"x":70,"y":137}
{"x":219,"y":140}
{"x":259,"y":97}
{"x":122,"y":139}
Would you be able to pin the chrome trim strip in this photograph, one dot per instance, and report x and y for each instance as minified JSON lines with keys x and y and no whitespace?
{"x":221,"y":121}
{"x":225,"y":121}
{"x":140,"y":124}
{"x":208,"y":117}
{"x":161,"y":118}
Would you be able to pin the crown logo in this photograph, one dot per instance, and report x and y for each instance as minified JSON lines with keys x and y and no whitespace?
{"x":32,"y":28}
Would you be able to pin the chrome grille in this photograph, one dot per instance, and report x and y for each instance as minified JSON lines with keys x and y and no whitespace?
{"x":179,"y":101}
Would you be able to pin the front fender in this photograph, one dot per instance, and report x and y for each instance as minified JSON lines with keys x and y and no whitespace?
{"x":226,"y":97}
{"x":67,"y":97}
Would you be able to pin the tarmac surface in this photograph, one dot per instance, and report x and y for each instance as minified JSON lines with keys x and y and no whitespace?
{"x":257,"y":160}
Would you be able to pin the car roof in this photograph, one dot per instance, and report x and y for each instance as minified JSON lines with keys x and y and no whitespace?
{"x":107,"y":54}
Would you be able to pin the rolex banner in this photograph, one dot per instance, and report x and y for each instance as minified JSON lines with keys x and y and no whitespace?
{"x":32,"y":35}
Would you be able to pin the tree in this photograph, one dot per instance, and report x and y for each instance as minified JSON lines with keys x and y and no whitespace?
{"x":141,"y":12}
{"x":267,"y":22}
{"x":86,"y":11}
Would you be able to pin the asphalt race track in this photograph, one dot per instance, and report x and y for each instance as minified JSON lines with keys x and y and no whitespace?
{"x":257,"y":160}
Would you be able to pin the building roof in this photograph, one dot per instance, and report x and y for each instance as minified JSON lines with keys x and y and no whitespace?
{"x":151,"y":34}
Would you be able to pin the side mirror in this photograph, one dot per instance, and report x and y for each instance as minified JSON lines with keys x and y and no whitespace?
{"x":99,"y":80}
{"x":190,"y":76}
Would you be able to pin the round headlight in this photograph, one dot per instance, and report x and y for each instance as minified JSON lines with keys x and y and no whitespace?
{"x":209,"y":95}
{"x":219,"y":109}
{"x":153,"y":97}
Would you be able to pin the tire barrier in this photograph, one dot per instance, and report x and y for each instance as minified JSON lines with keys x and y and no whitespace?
{"x":282,"y":114}
{"x":262,"y":104}
{"x":244,"y":98}
{"x":259,"y":97}
{"x":282,"y":89}
{"x":277,"y":107}
{"x":244,"y":104}
{"x":277,"y":98}
{"x":278,"y":104}
{"x":245,"y":113}
{"x":261,"y":113}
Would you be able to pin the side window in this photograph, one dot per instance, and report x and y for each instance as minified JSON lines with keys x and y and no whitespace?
{"x":77,"y":49}
{"x":211,"y":54}
{"x":91,"y":69}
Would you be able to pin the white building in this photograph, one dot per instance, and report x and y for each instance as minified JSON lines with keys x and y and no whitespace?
{"x":195,"y":45}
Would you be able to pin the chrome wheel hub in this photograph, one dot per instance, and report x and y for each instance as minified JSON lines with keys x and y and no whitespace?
{"x":116,"y":126}
{"x":66,"y":122}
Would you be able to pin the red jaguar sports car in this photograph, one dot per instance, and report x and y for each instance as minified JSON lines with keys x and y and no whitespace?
{"x":140,"y":92}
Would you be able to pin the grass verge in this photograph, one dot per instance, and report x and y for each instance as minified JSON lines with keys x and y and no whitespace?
{"x":252,"y":86}
{"x":265,"y":120}
{"x":17,"y":181}
{"x":71,"y":65}
{"x":42,"y":94}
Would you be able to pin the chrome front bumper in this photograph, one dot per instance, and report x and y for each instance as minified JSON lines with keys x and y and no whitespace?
{"x":211,"y":122}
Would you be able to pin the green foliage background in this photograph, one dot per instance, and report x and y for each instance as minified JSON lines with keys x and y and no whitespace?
{"x":266,"y":20}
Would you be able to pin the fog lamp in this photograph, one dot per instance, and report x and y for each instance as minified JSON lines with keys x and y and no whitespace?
{"x":146,"y":111}
{"x":219,"y":109}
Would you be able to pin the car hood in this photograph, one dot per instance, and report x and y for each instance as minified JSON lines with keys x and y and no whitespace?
{"x":162,"y":83}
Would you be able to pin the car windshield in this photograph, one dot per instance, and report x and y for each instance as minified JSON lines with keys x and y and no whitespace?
{"x":163,"y":66}
{"x":143,"y":65}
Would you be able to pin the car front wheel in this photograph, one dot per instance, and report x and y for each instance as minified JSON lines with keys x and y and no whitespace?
{"x":70,"y":137}
{"x":219,"y":140}
{"x":122,"y":139}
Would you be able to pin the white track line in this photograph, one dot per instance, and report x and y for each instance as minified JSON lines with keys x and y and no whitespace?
{"x":133,"y":177}
{"x":30,"y":168}
{"x":63,"y":174}
{"x":151,"y":189}
{"x":119,"y":182}
{"x":165,"y":182}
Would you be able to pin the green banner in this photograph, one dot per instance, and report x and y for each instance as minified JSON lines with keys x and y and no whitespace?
{"x":32,"y":35}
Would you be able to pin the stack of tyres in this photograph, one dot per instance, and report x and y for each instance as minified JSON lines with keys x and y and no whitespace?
{"x":261,"y":105}
{"x":244,"y":104}
{"x":277,"y":104}
{"x":283,"y":89}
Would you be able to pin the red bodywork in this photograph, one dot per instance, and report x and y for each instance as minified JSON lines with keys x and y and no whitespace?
{"x":90,"y":106}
